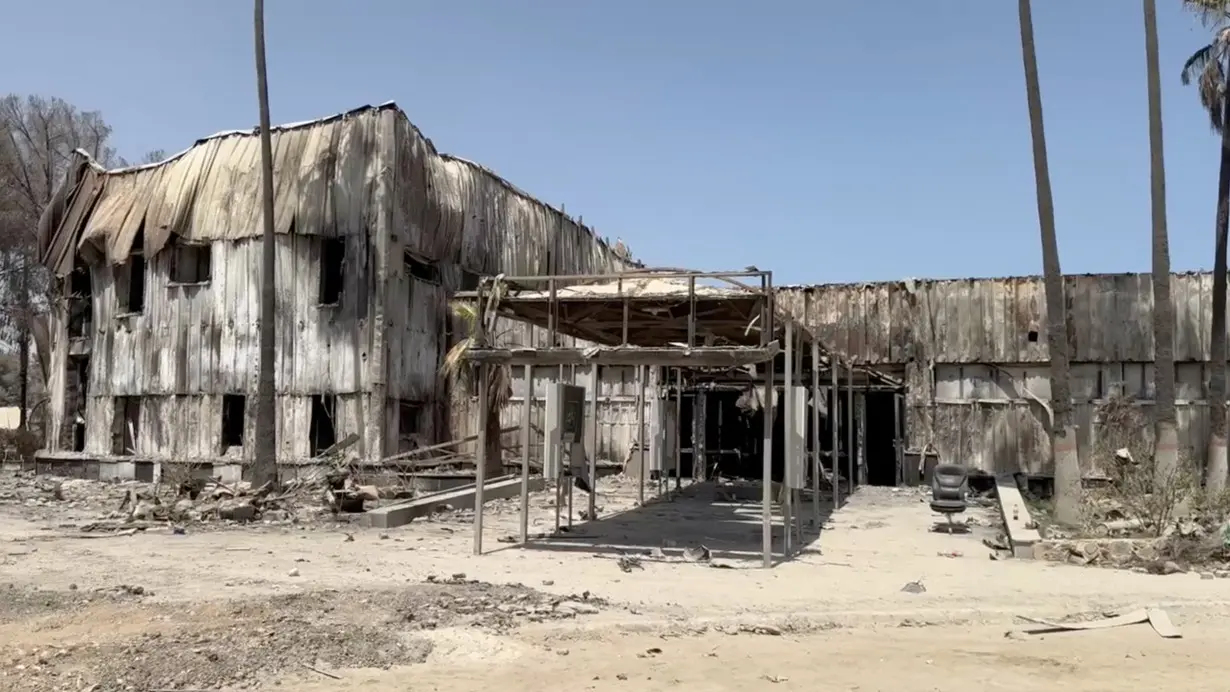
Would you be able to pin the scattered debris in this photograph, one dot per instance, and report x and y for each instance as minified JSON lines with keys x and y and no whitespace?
{"x":1154,"y":616}
{"x":627,"y":563}
{"x":247,"y":643}
{"x":914,"y":587}
{"x":697,"y":554}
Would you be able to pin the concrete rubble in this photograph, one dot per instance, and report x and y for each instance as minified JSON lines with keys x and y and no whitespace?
{"x":102,"y":506}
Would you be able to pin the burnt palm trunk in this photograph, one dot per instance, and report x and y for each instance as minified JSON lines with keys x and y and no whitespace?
{"x":266,"y":467}
{"x":23,"y":348}
{"x":1215,"y":470}
{"x":1063,"y":435}
{"x":1166,"y":441}
{"x":495,"y":445}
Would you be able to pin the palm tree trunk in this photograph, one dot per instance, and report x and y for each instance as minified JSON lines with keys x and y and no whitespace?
{"x":495,"y":445}
{"x":1063,"y":435}
{"x":1215,"y":470}
{"x":23,"y":349}
{"x":266,"y":467}
{"x":1166,"y":439}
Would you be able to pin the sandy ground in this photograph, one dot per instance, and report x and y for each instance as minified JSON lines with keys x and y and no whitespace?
{"x":836,"y":617}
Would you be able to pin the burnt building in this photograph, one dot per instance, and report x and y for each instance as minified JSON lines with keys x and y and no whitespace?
{"x":154,"y":328}
{"x":973,"y":359}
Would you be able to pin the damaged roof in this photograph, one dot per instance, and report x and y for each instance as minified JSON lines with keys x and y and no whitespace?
{"x":326,"y":174}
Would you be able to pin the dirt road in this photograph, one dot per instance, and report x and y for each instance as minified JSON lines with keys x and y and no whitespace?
{"x":411,"y":608}
{"x":943,"y":658}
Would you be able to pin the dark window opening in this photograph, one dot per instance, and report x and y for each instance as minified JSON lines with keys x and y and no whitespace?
{"x":80,"y":300}
{"x":408,"y":416}
{"x":126,"y":425}
{"x":234,"y":410}
{"x":190,"y":263}
{"x":79,"y":436}
{"x":79,"y":388}
{"x":469,"y":280}
{"x":423,"y":271}
{"x":321,"y":431}
{"x":130,"y":284}
{"x":332,"y":260}
{"x":81,"y":369}
{"x":1032,"y":336}
{"x":130,"y":277}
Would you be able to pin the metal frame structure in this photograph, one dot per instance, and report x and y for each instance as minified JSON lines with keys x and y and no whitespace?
{"x":680,"y":319}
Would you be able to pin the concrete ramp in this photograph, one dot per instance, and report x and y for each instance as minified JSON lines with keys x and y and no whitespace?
{"x":1019,"y":525}
{"x":402,"y":513}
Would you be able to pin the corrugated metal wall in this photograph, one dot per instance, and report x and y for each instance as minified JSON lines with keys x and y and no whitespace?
{"x":973,"y":353}
{"x":989,"y":320}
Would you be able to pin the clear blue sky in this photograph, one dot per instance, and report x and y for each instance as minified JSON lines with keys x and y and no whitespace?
{"x":831,"y":140}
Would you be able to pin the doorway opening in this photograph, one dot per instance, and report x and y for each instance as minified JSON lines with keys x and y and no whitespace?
{"x":732,"y":437}
{"x":881,"y":440}
{"x":322,"y":433}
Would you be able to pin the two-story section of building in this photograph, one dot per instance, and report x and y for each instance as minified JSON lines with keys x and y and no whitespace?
{"x":157,"y":274}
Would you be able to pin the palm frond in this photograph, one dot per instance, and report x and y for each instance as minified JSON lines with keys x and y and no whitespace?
{"x":1204,"y":68}
{"x":453,"y":365}
{"x":1211,"y":12}
{"x":457,"y":368}
{"x":1196,"y":64}
{"x":465,"y":311}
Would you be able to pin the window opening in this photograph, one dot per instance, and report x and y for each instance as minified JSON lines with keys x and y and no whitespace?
{"x":332,"y":261}
{"x":190,"y":262}
{"x":234,"y":412}
{"x":130,"y":277}
{"x":322,"y":434}
{"x":126,"y":425}
{"x":408,"y":417}
{"x":421,"y":270}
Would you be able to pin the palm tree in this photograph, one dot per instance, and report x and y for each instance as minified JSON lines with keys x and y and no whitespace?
{"x":1209,"y":68}
{"x":461,"y":374}
{"x":1063,"y":435}
{"x":266,"y":466}
{"x":1165,"y":421}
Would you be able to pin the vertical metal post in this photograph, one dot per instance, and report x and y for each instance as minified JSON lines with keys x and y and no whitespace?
{"x":526,"y":409}
{"x":834,"y":430}
{"x":691,"y":311}
{"x":640,"y":432}
{"x":678,"y":428}
{"x":595,"y":372}
{"x":570,"y":481}
{"x":766,"y":496}
{"x":552,"y":308}
{"x":480,"y":471}
{"x":800,"y":442}
{"x":788,"y":450}
{"x":815,"y":432}
{"x":626,"y":310}
{"x":860,"y":441}
{"x":850,"y":427}
{"x":898,"y":441}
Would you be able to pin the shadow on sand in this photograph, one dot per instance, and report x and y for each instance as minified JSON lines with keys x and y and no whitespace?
{"x":725,"y":519}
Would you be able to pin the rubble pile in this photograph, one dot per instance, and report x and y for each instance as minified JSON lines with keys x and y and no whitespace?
{"x":246,"y":644}
{"x":104,"y":505}
{"x":1170,"y":555}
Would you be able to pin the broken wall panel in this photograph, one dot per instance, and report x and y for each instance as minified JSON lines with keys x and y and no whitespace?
{"x":975,"y":357}
{"x":204,"y":338}
{"x":1001,"y":320}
